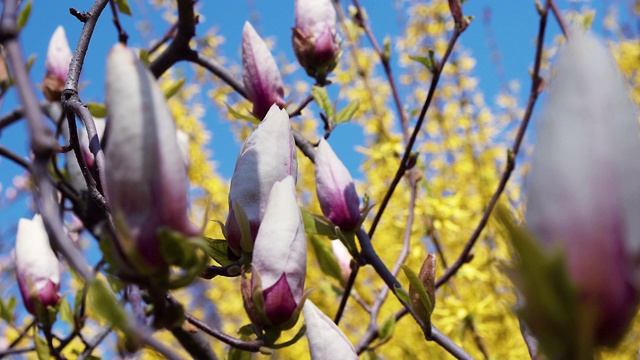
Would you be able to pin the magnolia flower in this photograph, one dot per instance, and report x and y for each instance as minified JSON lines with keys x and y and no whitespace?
{"x":268,"y":155}
{"x":37,"y":267}
{"x":279,"y":258}
{"x":315,"y":40}
{"x":260,"y":73}
{"x":583,"y":190}
{"x":183,"y":144}
{"x":146,"y":181}
{"x":56,"y":65}
{"x":326,"y":340}
{"x":335,"y":189}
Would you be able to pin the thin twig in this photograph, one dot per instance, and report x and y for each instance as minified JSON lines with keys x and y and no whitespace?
{"x":536,"y":89}
{"x":253,"y":345}
{"x":23,"y":333}
{"x":403,"y":167}
{"x":384,"y":59}
{"x":559,"y":18}
{"x":97,"y":340}
{"x":122,"y":35}
{"x":166,"y":37}
{"x":231,"y":270}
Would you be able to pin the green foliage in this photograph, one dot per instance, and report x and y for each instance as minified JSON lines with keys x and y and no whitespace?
{"x":426,"y":308}
{"x":552,"y":309}
{"x":239,"y":116}
{"x":317,"y":225}
{"x":327,"y":261}
{"x":217,"y":249}
{"x":97,"y":110}
{"x":24,"y":15}
{"x":428,"y":61}
{"x":387,"y":327}
{"x":66,"y":314}
{"x":123,"y":7}
{"x":173,"y":88}
{"x":42,"y":349}
{"x":7,"y":308}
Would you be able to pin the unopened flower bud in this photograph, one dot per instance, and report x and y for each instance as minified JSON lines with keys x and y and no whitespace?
{"x":326,"y":340}
{"x":267,"y":155}
{"x":260,"y":73}
{"x":583,"y":190}
{"x":315,"y":38}
{"x":146,"y":177}
{"x":37,"y":267}
{"x":279,"y":258}
{"x":335,"y":189}
{"x":56,"y":65}
{"x":343,"y":257}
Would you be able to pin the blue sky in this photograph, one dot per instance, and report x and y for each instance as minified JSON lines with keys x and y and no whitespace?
{"x":514,"y":25}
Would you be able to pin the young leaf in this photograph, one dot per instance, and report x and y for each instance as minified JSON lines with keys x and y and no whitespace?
{"x":23,"y":16}
{"x":106,"y":306}
{"x":315,"y":224}
{"x":402,"y":294}
{"x":217,"y":249}
{"x":66,"y":314}
{"x":427,"y":62}
{"x":240,"y":116}
{"x":322,"y":99}
{"x":6,"y":309}
{"x":326,"y":259}
{"x":423,"y":307}
{"x":123,"y":7}
{"x":174,"y":88}
{"x":387,"y":327}
{"x":144,"y":57}
{"x":42,"y":349}
{"x":347,"y":112}
{"x":97,"y":110}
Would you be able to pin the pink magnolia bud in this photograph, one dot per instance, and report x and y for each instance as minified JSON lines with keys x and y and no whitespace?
{"x":335,"y":189}
{"x":146,"y":177}
{"x":37,"y":267}
{"x":268,"y":155}
{"x":56,"y":65}
{"x":326,"y":340}
{"x":583,"y":190}
{"x":343,"y":257}
{"x":260,"y":73}
{"x":315,"y":37}
{"x":280,"y":254}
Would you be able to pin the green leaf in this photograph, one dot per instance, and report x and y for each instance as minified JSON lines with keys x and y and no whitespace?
{"x":426,"y":61}
{"x":387,"y":327}
{"x":6,"y":309}
{"x":123,"y":7}
{"x":30,"y":61}
{"x":42,"y":349}
{"x":174,"y":88}
{"x":322,"y":99}
{"x":327,"y":261}
{"x":402,"y":294}
{"x":107,"y":307}
{"x":386,"y":48}
{"x":23,"y":16}
{"x":144,"y":57}
{"x":240,"y":116}
{"x":66,"y":314}
{"x":217,"y":249}
{"x":347,"y":112}
{"x":294,"y":339}
{"x":97,"y":110}
{"x":425,"y":302}
{"x":316,"y":224}
{"x":246,"y":241}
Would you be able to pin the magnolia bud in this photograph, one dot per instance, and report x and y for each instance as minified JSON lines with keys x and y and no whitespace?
{"x":268,"y":155}
{"x":146,"y":181}
{"x":56,"y":65}
{"x":583,"y":190}
{"x":343,"y":257}
{"x":326,"y":340}
{"x":315,"y":37}
{"x":335,"y":189}
{"x":279,"y":258}
{"x":37,"y":267}
{"x":260,"y":73}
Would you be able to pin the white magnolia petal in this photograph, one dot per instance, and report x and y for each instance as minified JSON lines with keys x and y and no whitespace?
{"x":326,"y":340}
{"x":281,"y":245}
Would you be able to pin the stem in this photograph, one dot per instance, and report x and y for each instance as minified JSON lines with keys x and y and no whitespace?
{"x":253,"y":345}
